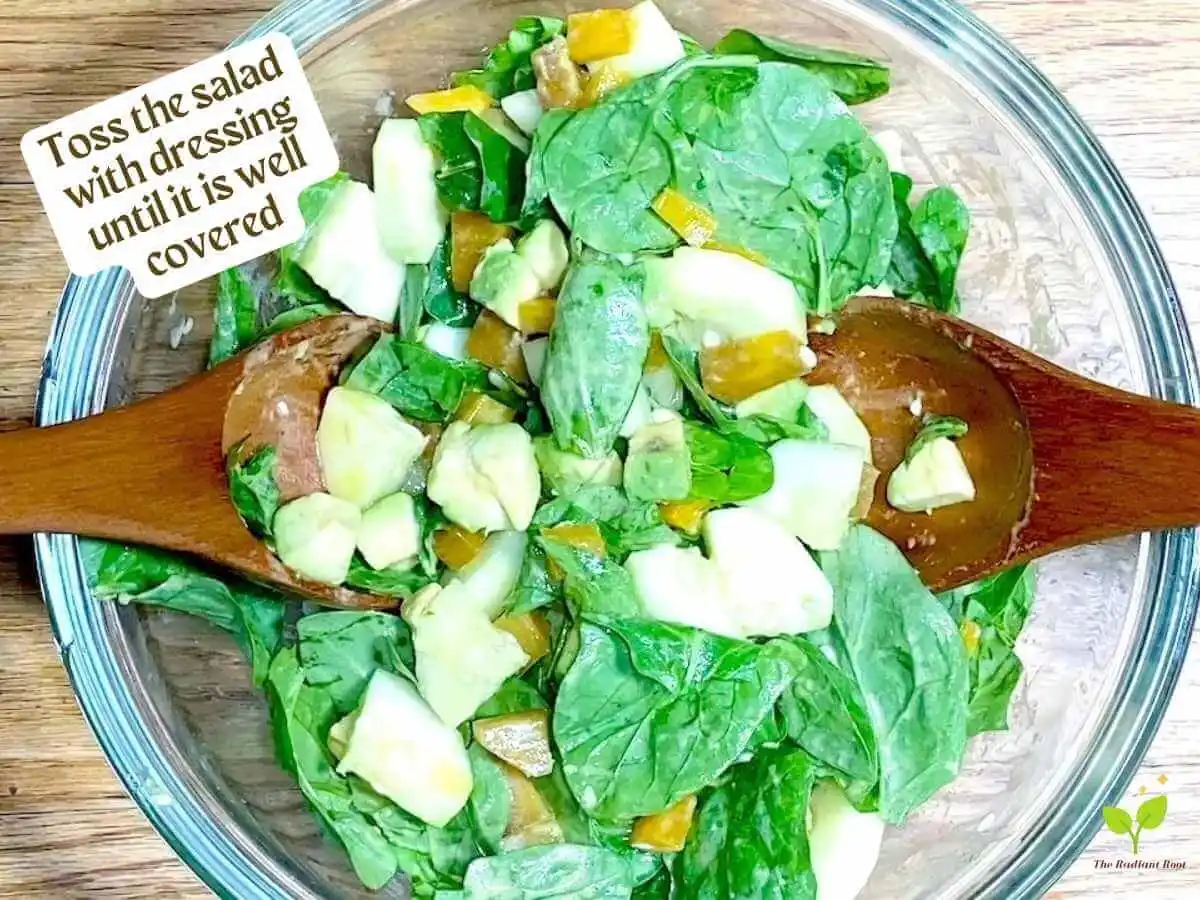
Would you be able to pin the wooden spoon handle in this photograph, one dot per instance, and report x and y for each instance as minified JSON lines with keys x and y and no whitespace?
{"x":143,"y":473}
{"x":1108,"y":463}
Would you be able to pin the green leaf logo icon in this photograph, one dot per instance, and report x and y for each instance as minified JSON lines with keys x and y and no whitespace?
{"x":1149,"y":816}
{"x":1117,"y":820}
{"x":1152,"y":813}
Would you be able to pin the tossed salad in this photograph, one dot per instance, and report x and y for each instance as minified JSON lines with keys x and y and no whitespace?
{"x":641,"y":643}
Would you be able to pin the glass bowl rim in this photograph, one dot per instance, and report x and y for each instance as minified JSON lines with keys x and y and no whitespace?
{"x":76,"y":374}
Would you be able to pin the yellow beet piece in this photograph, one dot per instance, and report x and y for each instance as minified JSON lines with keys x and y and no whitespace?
{"x":584,"y":535}
{"x":479,"y":409}
{"x":601,"y":81}
{"x":866,"y":492}
{"x":971,"y":633}
{"x":686,"y":515}
{"x":656,"y":357}
{"x":470,"y":234}
{"x":467,"y":98}
{"x":456,"y":547}
{"x":521,"y":739}
{"x":532,"y":631}
{"x":559,"y":80}
{"x":537,"y":315}
{"x":599,"y":34}
{"x":691,"y":221}
{"x":665,"y":832}
{"x":738,"y":369}
{"x":752,"y":255}
{"x":497,"y":344}
{"x":531,"y":821}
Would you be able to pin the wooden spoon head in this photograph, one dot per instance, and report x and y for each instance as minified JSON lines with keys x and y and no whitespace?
{"x":277,"y":402}
{"x":895,"y":362}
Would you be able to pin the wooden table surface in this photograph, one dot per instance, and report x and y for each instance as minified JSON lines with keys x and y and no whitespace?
{"x":1131,"y":67}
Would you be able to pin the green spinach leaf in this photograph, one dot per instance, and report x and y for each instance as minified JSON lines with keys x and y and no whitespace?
{"x":502,"y":170}
{"x":340,"y":651}
{"x":251,"y":614}
{"x":594,"y":361}
{"x":932,"y":428}
{"x":651,"y":712}
{"x":749,"y":841}
{"x":534,"y":589}
{"x":418,"y":382}
{"x":991,"y":614}
{"x":488,"y":806}
{"x":537,"y":190}
{"x":626,"y":525}
{"x":929,"y":245}
{"x":235,"y":316}
{"x":400,"y":582}
{"x":515,"y":695}
{"x":252,"y":487}
{"x":569,"y":871}
{"x":854,"y":78}
{"x":509,"y":65}
{"x":727,"y":468}
{"x":910,"y":665}
{"x":298,"y":315}
{"x":442,"y":301}
{"x":459,"y":174}
{"x":593,"y":584}
{"x":291,"y":281}
{"x":787,"y":171}
{"x":685,"y":361}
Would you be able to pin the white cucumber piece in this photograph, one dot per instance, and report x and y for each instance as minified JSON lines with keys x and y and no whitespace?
{"x":410,"y":217}
{"x":314,"y":535}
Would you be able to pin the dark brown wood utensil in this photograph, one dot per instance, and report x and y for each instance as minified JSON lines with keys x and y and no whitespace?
{"x":1057,"y":460}
{"x":154,"y":472}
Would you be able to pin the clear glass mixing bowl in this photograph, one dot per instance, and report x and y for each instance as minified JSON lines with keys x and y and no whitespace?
{"x":1060,"y":261}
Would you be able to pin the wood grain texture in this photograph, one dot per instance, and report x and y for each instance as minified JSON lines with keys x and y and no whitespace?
{"x":67,"y":830}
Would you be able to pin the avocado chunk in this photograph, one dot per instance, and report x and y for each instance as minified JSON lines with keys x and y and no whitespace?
{"x":365,"y":447}
{"x":485,"y":478}
{"x":545,"y":249}
{"x":344,"y":254}
{"x":565,"y":471}
{"x":935,"y":476}
{"x":679,"y":585}
{"x":815,"y":490}
{"x":389,"y":534}
{"x":783,"y":401}
{"x":406,"y":753}
{"x":839,"y":417}
{"x":410,"y":218}
{"x":314,"y":535}
{"x":843,"y":843}
{"x":659,"y":465}
{"x":504,"y":280}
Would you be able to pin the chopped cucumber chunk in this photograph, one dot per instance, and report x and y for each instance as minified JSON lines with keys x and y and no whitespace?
{"x":845,"y":427}
{"x":524,"y":108}
{"x":485,"y":478}
{"x":389,"y":533}
{"x":723,"y":292}
{"x":411,"y":220}
{"x":406,"y":753}
{"x":843,"y":843}
{"x":776,"y":586}
{"x":677,"y":584}
{"x":815,"y":490}
{"x":535,"y":358}
{"x":365,"y":447}
{"x":450,"y":342}
{"x":314,"y":535}
{"x":936,"y":476}
{"x":504,"y":280}
{"x":344,"y":254}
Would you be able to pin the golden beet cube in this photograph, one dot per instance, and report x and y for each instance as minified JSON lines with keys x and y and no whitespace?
{"x":521,"y":739}
{"x":559,"y":80}
{"x":497,"y":345}
{"x":532,"y":631}
{"x":665,"y":832}
{"x":686,"y":515}
{"x":478,"y":408}
{"x":738,"y":369}
{"x":599,"y":34}
{"x":537,"y":315}
{"x":456,"y":547}
{"x":691,"y":221}
{"x":470,"y":234}
{"x":531,"y":821}
{"x":601,"y":81}
{"x":467,"y":98}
